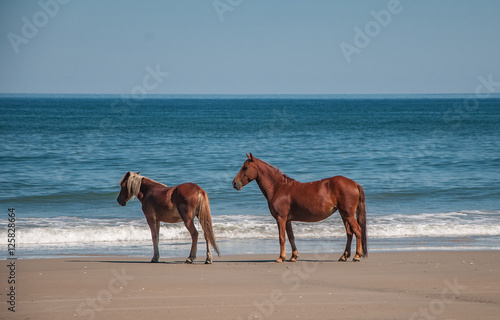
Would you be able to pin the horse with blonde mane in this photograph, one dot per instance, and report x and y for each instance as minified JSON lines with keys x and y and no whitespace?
{"x":170,"y":204}
{"x":290,"y":200}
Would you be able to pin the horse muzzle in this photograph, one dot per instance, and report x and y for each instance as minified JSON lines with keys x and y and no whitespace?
{"x":237,"y":185}
{"x":121,"y":202}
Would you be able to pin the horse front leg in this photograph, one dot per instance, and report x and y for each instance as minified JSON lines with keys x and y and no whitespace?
{"x":154,"y":226}
{"x":291,"y":238}
{"x":281,"y":230}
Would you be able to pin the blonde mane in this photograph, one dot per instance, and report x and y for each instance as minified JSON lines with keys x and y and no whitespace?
{"x":133,"y":183}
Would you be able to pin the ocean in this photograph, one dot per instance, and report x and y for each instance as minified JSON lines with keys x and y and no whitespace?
{"x":430,"y":167}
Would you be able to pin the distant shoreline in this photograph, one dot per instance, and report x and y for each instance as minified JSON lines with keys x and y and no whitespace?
{"x":254,"y":96}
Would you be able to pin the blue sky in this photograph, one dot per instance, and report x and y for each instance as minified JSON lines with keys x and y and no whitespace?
{"x":248,"y":46}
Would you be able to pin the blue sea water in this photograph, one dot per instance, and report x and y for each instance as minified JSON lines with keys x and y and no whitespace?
{"x":430,"y":166}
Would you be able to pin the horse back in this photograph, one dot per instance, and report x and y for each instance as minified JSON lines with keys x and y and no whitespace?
{"x":167,"y":204}
{"x":341,"y":186}
{"x":314,"y":201}
{"x":344,"y":192}
{"x":186,"y":194}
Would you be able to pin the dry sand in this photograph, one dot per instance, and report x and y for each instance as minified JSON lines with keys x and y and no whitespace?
{"x":398,"y":285}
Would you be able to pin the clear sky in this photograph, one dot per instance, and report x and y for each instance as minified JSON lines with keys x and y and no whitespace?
{"x":248,"y":46}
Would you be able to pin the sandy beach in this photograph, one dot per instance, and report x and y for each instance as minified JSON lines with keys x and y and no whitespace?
{"x":396,"y":285}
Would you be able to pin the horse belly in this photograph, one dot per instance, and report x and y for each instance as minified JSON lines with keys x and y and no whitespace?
{"x":170,"y":216}
{"x":305,"y":215}
{"x":313,"y":208}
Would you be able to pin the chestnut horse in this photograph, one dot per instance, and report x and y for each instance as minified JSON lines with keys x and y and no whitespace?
{"x":290,"y":200}
{"x":163,"y":204}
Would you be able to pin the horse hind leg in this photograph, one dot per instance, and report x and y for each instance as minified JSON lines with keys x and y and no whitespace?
{"x":291,"y":238}
{"x":194,"y":237}
{"x":209,"y":253}
{"x":356,"y":229}
{"x":347,"y":251}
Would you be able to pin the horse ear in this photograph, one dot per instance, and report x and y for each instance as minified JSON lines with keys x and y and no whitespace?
{"x":138,"y":172}
{"x":251,"y":157}
{"x":248,"y":157}
{"x":125,"y":177}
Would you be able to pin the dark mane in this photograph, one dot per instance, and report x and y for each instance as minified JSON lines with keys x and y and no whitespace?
{"x":286,"y":178}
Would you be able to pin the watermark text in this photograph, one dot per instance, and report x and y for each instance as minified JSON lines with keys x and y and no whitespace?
{"x":30,"y":28}
{"x":11,"y":260}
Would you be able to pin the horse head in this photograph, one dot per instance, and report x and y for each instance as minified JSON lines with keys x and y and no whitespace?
{"x":130,"y":184}
{"x":247,"y":173}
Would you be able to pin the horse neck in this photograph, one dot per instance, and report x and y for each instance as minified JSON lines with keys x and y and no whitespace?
{"x":269,"y":179}
{"x":146,"y":186}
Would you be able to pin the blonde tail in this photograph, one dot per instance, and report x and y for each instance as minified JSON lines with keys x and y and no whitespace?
{"x":205,"y":219}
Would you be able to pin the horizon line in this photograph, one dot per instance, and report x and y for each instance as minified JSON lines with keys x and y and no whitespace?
{"x":251,"y":95}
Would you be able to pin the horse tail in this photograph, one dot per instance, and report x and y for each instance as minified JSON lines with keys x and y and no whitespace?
{"x":361,"y":217}
{"x":205,"y":219}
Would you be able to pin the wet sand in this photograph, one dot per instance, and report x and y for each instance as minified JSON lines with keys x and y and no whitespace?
{"x":396,"y":285}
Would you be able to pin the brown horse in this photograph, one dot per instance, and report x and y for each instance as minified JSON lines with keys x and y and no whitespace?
{"x":290,"y":200}
{"x":163,"y":204}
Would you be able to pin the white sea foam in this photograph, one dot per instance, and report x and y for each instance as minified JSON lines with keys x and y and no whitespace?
{"x":66,"y":230}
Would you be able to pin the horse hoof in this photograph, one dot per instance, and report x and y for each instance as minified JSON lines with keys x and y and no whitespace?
{"x":293,"y":260}
{"x":188,"y":261}
{"x":208,"y":262}
{"x":279,"y":260}
{"x":342,"y":259}
{"x":154,"y":260}
{"x":356,"y":260}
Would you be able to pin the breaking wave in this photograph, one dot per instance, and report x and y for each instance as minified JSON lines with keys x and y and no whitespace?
{"x":67,"y":230}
